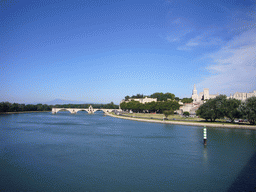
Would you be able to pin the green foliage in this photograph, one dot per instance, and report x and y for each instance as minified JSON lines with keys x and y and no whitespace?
{"x":159,"y":96}
{"x":186,"y":114}
{"x":187,"y":100}
{"x":138,"y":96}
{"x":248,"y":110}
{"x":213,"y":109}
{"x":159,"y":107}
{"x":167,"y":113}
{"x":232,"y":109}
{"x":5,"y":106}
{"x":15,"y":107}
{"x":163,"y":96}
{"x":127,"y":98}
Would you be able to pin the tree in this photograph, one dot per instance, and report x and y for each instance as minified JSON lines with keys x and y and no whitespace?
{"x":136,"y":106}
{"x":187,"y":100}
{"x":123,"y":105}
{"x":167,"y":113}
{"x":39,"y":107}
{"x":248,"y":110}
{"x":14,"y":107}
{"x":138,"y":96}
{"x":205,"y":112}
{"x":213,"y":108}
{"x":186,"y":114}
{"x":163,"y":97}
{"x":232,"y":109}
{"x":5,"y":106}
{"x":127,"y":98}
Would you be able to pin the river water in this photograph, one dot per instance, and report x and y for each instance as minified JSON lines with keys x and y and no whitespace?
{"x":83,"y":152}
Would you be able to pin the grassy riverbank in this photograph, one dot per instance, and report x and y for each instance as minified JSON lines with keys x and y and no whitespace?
{"x":180,"y":121}
{"x":161,"y":116}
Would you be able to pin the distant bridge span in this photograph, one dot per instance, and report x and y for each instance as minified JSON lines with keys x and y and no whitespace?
{"x":90,"y":110}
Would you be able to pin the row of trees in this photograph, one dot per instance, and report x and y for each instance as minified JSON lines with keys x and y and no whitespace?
{"x":231,"y":108}
{"x":15,"y":107}
{"x":158,"y":107}
{"x":160,"y":97}
{"x":187,"y":100}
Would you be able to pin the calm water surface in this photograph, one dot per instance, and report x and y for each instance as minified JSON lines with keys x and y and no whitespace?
{"x":82,"y":152}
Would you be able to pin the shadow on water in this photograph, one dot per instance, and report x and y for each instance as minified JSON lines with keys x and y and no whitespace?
{"x":246,"y":179}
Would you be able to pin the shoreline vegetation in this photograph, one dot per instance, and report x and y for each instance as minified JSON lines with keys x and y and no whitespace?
{"x":18,"y":112}
{"x":6,"y":107}
{"x":185,"y":122}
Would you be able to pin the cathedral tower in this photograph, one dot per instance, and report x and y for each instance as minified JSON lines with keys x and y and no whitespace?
{"x":194,"y":94}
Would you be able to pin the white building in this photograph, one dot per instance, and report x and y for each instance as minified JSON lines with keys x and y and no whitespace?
{"x":197,"y":101}
{"x":243,"y":96}
{"x":203,"y":96}
{"x":141,"y":100}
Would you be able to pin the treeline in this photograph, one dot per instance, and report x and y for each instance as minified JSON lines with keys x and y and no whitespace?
{"x":158,"y":107}
{"x":16,"y":107}
{"x":98,"y":106}
{"x":160,"y":97}
{"x":231,"y":108}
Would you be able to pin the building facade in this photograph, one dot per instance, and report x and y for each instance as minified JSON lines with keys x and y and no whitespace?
{"x":203,"y":96}
{"x":243,"y":96}
{"x":198,"y":99}
{"x":141,"y":100}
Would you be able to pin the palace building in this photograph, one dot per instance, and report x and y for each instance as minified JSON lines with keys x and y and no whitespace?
{"x":203,"y":96}
{"x":243,"y":96}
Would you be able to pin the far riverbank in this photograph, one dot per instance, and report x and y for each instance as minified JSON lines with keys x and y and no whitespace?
{"x":18,"y":112}
{"x":202,"y":124}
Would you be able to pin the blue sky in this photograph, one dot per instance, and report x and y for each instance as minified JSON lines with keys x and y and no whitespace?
{"x":102,"y":50}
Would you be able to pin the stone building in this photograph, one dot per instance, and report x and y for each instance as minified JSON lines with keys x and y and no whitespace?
{"x":141,"y":100}
{"x":243,"y":96}
{"x":197,"y":101}
{"x":203,"y":96}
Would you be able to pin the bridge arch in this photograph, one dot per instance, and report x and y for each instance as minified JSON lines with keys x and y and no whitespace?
{"x":82,"y":110}
{"x":62,"y":109}
{"x":98,"y":110}
{"x":104,"y":110}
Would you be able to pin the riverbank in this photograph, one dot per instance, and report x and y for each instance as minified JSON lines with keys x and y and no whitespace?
{"x":9,"y":113}
{"x":202,"y":124}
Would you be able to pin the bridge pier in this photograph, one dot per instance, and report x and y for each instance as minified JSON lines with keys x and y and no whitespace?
{"x":54,"y":111}
{"x":73,"y":112}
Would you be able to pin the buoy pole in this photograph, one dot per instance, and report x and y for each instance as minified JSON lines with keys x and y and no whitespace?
{"x":205,"y":135}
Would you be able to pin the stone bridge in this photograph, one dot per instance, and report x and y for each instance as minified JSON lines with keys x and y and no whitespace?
{"x":90,"y":110}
